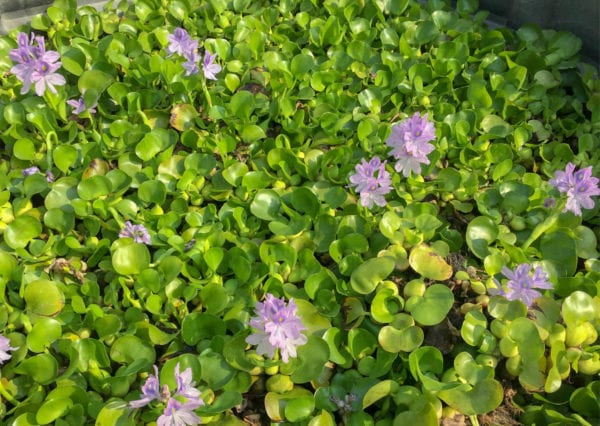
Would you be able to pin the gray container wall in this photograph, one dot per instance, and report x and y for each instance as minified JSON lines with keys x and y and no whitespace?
{"x":581,"y":17}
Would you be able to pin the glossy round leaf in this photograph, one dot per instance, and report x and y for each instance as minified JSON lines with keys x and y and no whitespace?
{"x":53,"y":409}
{"x":61,"y":219}
{"x":266,"y":205}
{"x":21,"y":231}
{"x":42,"y":368}
{"x":43,"y":297}
{"x":198,"y":326}
{"x":300,"y":408}
{"x":152,"y":191}
{"x":560,"y":249}
{"x":94,"y":79}
{"x":130,"y":259}
{"x":312,"y":358}
{"x":368,"y":275}
{"x":481,"y":232}
{"x":433,"y":306}
{"x":482,"y":398}
{"x":94,"y":187}
{"x":129,"y":348}
{"x":44,"y":332}
{"x":407,"y":339}
{"x":429,"y":264}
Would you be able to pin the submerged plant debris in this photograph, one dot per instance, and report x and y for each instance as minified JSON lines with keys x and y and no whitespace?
{"x":229,"y":212}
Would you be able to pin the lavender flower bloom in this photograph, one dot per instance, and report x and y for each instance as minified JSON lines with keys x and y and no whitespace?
{"x":579,"y":186}
{"x":191,"y":65}
{"x":36,"y":65}
{"x":45,"y":77}
{"x":30,"y":171}
{"x":178,"y":414}
{"x":209,"y":68}
{"x":79,"y":106}
{"x":549,"y":203}
{"x":186,"y":387}
{"x":372,"y":181}
{"x":277,"y":327}
{"x":175,"y":409}
{"x":150,"y":391}
{"x":49,"y":176}
{"x":4,"y":348}
{"x":521,"y":284}
{"x":139,"y":233}
{"x":410,"y":145}
{"x":180,"y":42}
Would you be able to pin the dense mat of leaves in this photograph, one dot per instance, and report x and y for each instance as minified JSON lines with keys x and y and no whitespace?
{"x":308,"y":212}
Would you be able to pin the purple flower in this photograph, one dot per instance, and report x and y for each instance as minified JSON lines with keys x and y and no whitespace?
{"x":79,"y":106}
{"x":372,"y":182}
{"x":176,"y":411}
{"x":30,"y":171}
{"x":549,"y":203}
{"x":209,"y":68}
{"x":36,"y":65}
{"x":277,"y":327}
{"x":579,"y":186}
{"x":178,"y":414}
{"x":186,"y":387}
{"x":191,"y":65}
{"x":150,"y":391}
{"x":49,"y":176}
{"x":181,"y":43}
{"x":45,"y":76}
{"x":4,"y":348}
{"x":139,"y":233}
{"x":410,"y":145}
{"x":521,"y":283}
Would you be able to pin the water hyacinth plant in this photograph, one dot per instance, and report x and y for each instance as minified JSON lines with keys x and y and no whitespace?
{"x":277,"y":326}
{"x":297,"y":212}
{"x":372,"y":182}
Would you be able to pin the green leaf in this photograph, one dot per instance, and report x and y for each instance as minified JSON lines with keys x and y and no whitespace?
{"x":154,"y":143}
{"x":73,"y":60}
{"x":311,"y":360}
{"x":369,"y":274}
{"x":300,"y":408}
{"x":198,"y":326}
{"x":64,"y":157}
{"x":60,"y":219}
{"x":379,"y":391}
{"x":481,"y":232}
{"x":266,"y":205}
{"x":21,"y":231}
{"x":94,"y":187}
{"x":130,"y":259}
{"x":42,"y":368}
{"x":433,"y":306}
{"x":53,"y":409}
{"x":425,"y":261}
{"x":401,"y":336}
{"x":579,"y":307}
{"x":24,"y":149}
{"x":117,"y":413}
{"x":44,"y":332}
{"x":560,"y":249}
{"x":482,"y":398}
{"x":94,"y":79}
{"x":129,"y":349}
{"x":43,"y":297}
{"x":152,"y":191}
